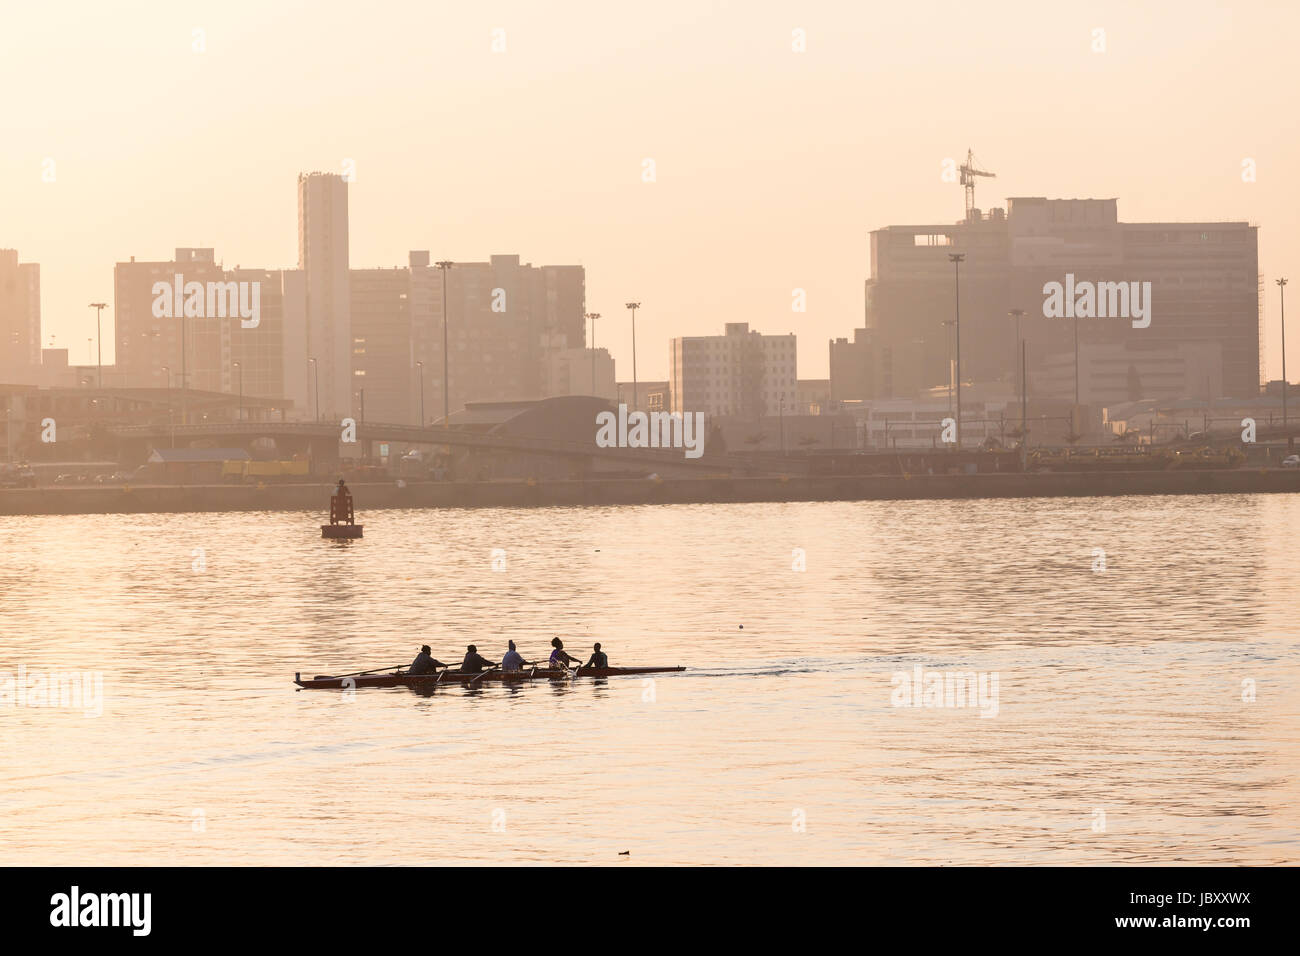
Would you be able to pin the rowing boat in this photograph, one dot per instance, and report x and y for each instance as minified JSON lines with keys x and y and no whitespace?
{"x":400,"y":679}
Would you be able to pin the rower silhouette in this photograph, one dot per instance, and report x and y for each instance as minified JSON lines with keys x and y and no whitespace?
{"x":341,"y":505}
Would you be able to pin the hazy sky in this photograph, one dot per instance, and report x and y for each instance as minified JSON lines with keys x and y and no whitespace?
{"x":772,"y":166}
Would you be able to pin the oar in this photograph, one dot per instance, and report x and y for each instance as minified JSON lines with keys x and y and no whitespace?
{"x":482,"y":675}
{"x":375,"y":671}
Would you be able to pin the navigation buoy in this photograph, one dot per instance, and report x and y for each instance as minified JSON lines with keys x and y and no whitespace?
{"x":342,"y":518}
{"x":340,"y":530}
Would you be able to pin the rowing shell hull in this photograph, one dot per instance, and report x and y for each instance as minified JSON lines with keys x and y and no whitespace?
{"x":455,"y":677}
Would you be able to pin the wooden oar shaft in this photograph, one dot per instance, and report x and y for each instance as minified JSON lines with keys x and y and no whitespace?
{"x":393,"y":667}
{"x":375,"y":671}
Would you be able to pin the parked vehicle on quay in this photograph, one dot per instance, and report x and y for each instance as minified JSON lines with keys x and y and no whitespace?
{"x":17,"y":476}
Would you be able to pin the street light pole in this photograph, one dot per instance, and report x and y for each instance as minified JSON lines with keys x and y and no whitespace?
{"x":99,"y":307}
{"x":956,"y":259}
{"x":948,"y":348}
{"x":315,"y":367}
{"x":241,"y":390}
{"x":593,"y":316}
{"x":1019,"y":314}
{"x":1281,"y":289}
{"x":634,"y":306}
{"x":170,"y":427}
{"x":444,"y":265}
{"x":1024,"y":412}
{"x":780,"y":412}
{"x":420,"y":366}
{"x":1076,"y":370}
{"x":184,"y":376}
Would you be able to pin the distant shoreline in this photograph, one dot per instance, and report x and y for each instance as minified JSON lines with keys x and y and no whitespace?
{"x":162,"y":499}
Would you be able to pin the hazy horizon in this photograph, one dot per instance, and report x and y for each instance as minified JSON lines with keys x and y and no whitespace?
{"x":772,"y":166}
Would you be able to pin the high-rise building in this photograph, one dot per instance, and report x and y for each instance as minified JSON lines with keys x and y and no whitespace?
{"x":271,"y":356}
{"x":741,"y":372}
{"x":1203,"y":279}
{"x":195,"y":349}
{"x":559,"y":303}
{"x":506,"y":321}
{"x":1110,"y":374}
{"x":510,"y":330}
{"x":381,"y":347}
{"x":20,"y":317}
{"x":323,"y":259}
{"x":196,"y":345}
{"x":340,"y":342}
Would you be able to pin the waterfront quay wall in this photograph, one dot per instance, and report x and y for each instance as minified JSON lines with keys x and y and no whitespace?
{"x":145,"y":499}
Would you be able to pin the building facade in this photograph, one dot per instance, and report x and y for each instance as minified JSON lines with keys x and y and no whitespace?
{"x":573,"y":372}
{"x":211,"y":352}
{"x":381,"y":346}
{"x":1133,"y":372}
{"x":1204,"y":289}
{"x":20,"y":316}
{"x":323,"y":259}
{"x":507,"y":323}
{"x":185,"y":351}
{"x":740,"y":373}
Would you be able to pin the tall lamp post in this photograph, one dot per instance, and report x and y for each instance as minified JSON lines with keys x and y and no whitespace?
{"x":956,"y":259}
{"x":1018,"y":314}
{"x":1076,"y":371}
{"x":1281,"y":290}
{"x":593,"y":316}
{"x":185,"y":352}
{"x":634,"y":306}
{"x":444,"y":265}
{"x":170,"y":426}
{"x":420,"y":366}
{"x":948,"y":347}
{"x":1024,"y":411}
{"x":99,"y":307}
{"x":241,"y":390}
{"x":780,"y":413}
{"x":316,"y":378}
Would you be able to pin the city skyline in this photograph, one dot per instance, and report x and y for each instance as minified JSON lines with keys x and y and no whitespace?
{"x":562,"y":434}
{"x":806,"y":130}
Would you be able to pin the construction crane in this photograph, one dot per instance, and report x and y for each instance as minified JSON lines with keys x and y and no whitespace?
{"x":968,"y":173}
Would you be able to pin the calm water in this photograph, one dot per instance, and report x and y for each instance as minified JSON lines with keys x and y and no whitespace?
{"x":1119,"y":699}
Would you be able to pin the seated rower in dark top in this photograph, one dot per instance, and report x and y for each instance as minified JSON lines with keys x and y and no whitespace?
{"x":424,"y":662}
{"x":560,"y":657}
{"x":597,"y":658}
{"x":474,"y":662}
